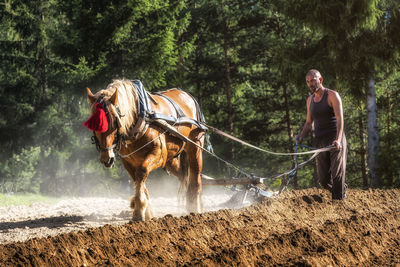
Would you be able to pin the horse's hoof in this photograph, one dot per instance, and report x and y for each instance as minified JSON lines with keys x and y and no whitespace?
{"x":149,"y":215}
{"x":137,"y":219}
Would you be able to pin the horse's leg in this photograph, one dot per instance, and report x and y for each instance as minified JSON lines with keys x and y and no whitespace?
{"x":149,"y":210}
{"x":131,"y":170}
{"x":174,"y":166}
{"x":140,"y":203}
{"x":195,"y":161}
{"x":179,"y":167}
{"x":153,"y":160}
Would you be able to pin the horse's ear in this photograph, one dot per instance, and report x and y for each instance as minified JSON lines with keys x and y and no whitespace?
{"x":90,"y":95}
{"x":114,"y":97}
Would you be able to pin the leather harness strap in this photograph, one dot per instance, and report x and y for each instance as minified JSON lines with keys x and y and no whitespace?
{"x":177,"y":108}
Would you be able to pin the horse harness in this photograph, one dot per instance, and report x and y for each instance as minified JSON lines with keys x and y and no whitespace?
{"x":146,"y":117}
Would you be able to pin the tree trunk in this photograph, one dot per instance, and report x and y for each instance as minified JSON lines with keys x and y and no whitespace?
{"x":199,"y":90}
{"x":373,"y":136}
{"x":42,"y":54}
{"x":289,"y":130}
{"x":228,"y":83}
{"x":228,"y":86}
{"x":181,"y":62}
{"x":287,"y":115}
{"x":389,"y":171}
{"x":363,"y":152}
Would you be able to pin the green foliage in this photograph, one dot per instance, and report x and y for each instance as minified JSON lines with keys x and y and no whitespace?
{"x":141,"y":41}
{"x":235,"y":57}
{"x":345,"y":16}
{"x":18,"y":172}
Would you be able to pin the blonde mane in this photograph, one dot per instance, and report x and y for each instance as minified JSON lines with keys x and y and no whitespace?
{"x":127,"y":102}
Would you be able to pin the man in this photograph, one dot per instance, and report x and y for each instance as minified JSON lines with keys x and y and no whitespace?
{"x":324,"y":109}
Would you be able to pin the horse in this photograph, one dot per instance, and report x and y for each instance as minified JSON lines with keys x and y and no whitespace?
{"x":124,"y":121}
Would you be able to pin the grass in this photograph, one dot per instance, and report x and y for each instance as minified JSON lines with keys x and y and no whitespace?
{"x":24,"y":199}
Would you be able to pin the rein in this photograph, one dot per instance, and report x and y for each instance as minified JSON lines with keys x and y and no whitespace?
{"x":328,"y":148}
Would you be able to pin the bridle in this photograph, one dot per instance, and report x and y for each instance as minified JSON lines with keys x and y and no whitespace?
{"x":118,"y":140}
{"x":116,"y":143}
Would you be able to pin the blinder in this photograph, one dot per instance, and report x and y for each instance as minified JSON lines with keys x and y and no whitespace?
{"x":117,"y":141}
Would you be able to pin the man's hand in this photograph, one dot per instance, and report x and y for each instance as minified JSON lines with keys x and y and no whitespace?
{"x":298,"y":138}
{"x":337,"y":145}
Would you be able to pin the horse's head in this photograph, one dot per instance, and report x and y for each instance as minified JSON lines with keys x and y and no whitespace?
{"x":105,"y":122}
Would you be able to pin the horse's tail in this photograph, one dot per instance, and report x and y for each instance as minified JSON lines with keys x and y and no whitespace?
{"x":184,"y":177}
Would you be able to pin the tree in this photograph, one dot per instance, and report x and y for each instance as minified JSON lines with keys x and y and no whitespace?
{"x":26,"y":71}
{"x":121,"y":39}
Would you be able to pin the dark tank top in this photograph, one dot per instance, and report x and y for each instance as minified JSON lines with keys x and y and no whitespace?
{"x":323,"y":116}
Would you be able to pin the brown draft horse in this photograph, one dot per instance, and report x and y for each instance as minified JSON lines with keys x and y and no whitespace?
{"x":150,"y":147}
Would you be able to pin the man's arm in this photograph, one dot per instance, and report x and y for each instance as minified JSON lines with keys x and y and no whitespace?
{"x":336,"y":103}
{"x":308,"y":125}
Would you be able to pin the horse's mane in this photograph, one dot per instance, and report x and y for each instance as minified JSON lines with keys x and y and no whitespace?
{"x":127,"y":102}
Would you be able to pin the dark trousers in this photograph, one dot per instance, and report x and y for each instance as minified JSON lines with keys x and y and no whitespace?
{"x":331,"y":166}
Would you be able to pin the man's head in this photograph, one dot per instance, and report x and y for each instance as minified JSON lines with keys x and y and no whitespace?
{"x":314,"y":80}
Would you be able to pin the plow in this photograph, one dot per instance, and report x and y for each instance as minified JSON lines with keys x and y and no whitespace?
{"x":245,"y":189}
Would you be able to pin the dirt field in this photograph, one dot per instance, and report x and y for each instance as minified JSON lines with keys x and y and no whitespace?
{"x":302,"y":228}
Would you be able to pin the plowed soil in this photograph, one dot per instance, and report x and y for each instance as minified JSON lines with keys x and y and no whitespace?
{"x":302,"y":228}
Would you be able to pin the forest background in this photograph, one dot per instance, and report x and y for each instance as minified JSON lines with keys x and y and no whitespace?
{"x":244,"y":61}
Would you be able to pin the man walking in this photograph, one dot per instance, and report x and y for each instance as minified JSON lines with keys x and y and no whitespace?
{"x":324,"y":109}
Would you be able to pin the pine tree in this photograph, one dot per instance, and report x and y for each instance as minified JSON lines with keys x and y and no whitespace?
{"x":25,"y":72}
{"x":121,"y":39}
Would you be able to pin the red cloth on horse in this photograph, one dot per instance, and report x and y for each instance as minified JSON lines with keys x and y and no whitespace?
{"x":98,"y":121}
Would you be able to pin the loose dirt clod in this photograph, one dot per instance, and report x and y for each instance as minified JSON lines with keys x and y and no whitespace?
{"x":297,"y":228}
